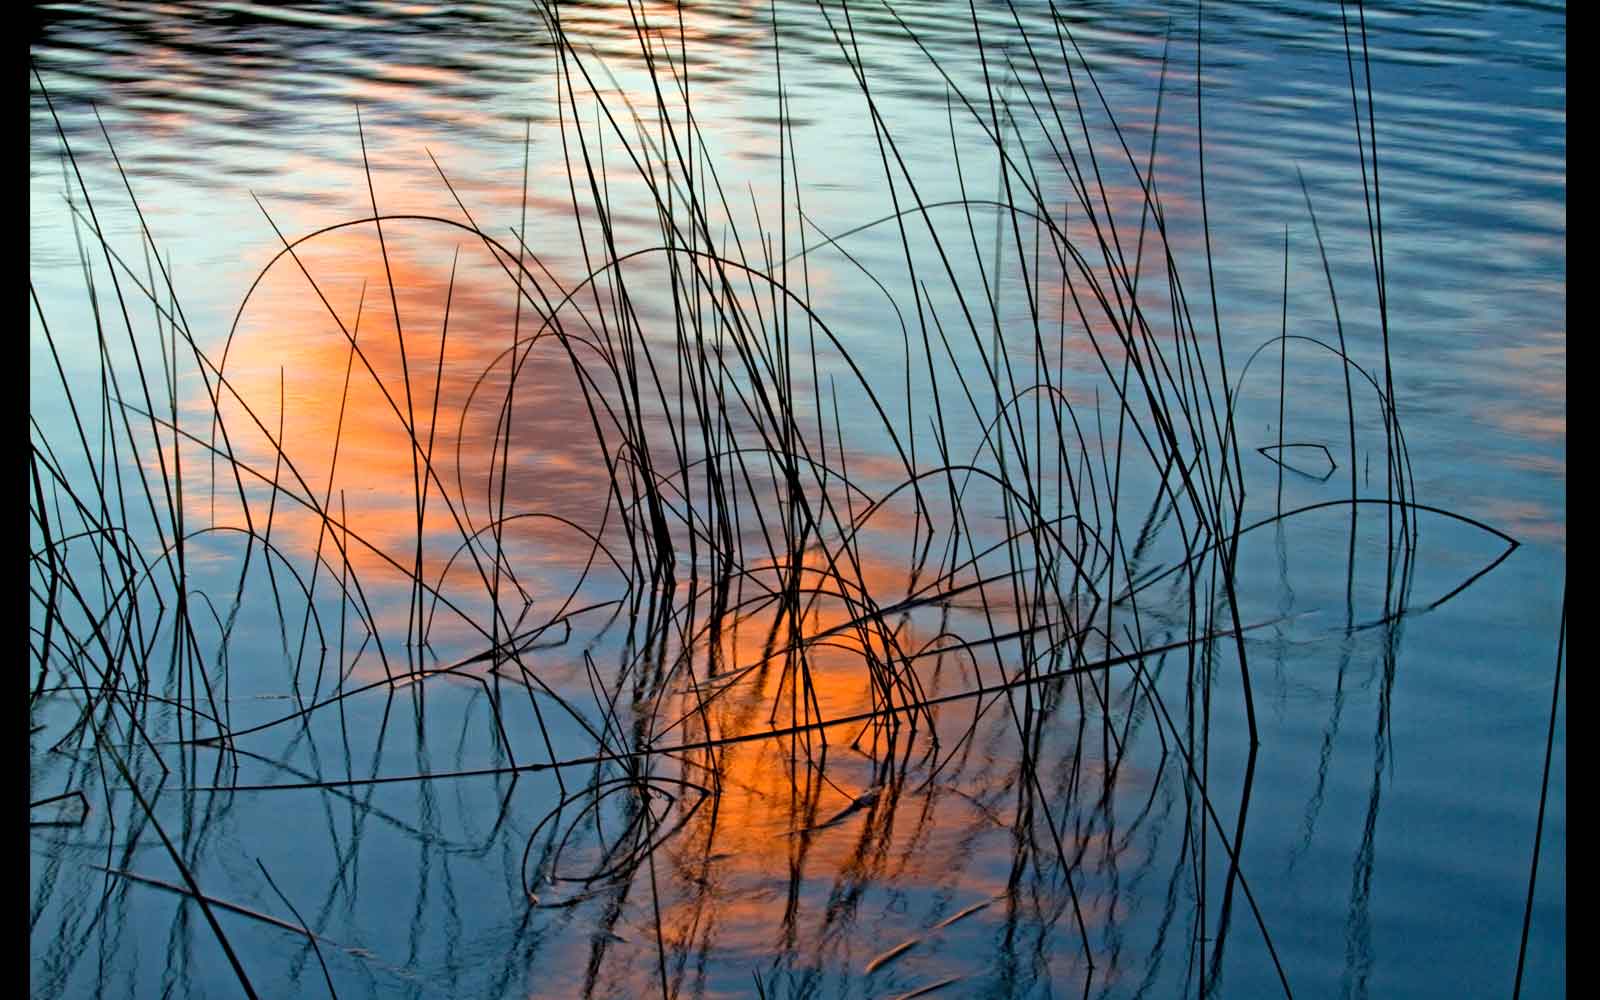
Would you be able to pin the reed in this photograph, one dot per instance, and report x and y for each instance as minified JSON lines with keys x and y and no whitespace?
{"x":753,"y":476}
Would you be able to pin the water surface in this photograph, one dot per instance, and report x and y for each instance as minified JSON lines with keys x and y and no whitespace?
{"x":1385,"y":825}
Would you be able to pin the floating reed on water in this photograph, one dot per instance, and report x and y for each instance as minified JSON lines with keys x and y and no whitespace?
{"x":756,"y":501}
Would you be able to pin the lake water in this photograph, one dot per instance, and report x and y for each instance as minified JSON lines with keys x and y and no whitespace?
{"x":860,"y":714}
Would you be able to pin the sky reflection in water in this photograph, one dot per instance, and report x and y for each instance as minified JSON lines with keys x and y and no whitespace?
{"x":1378,"y":872}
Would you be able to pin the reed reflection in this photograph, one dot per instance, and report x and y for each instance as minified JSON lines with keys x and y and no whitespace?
{"x":645,"y":612}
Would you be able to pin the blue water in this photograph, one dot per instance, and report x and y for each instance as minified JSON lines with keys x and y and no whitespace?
{"x":1386,"y":827}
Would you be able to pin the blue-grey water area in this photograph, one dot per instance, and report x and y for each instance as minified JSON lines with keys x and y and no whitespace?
{"x":1037,"y":786}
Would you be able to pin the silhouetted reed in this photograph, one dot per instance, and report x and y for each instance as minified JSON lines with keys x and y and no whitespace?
{"x":757,"y":508}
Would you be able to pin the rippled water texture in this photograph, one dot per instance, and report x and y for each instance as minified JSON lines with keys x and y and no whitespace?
{"x":870,"y":504}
